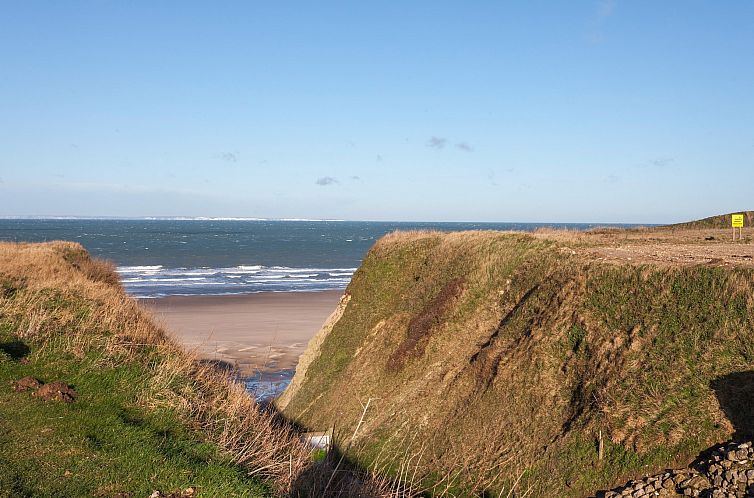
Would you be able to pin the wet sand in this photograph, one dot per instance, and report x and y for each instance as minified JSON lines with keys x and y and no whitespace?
{"x":265,"y":331}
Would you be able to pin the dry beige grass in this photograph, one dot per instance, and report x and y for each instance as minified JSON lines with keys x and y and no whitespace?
{"x":56,"y":286}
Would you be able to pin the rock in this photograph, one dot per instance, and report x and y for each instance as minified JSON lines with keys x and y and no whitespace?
{"x":57,"y":391}
{"x":26,"y":384}
{"x":724,"y":472}
{"x":698,"y":482}
{"x":667,"y":493}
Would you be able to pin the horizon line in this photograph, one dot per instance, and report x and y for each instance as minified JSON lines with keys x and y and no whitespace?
{"x":323,"y":220}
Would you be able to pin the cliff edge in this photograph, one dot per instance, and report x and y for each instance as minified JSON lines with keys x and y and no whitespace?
{"x":553,"y":364}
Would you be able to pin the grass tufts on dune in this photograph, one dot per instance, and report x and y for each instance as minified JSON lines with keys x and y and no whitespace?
{"x":150,"y":416}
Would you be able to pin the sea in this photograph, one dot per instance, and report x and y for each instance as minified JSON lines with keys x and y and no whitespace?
{"x":190,"y":257}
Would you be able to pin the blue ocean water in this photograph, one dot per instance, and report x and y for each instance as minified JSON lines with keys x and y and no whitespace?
{"x":163,"y":257}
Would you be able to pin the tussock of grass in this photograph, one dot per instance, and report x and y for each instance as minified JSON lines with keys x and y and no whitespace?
{"x":541,"y":351}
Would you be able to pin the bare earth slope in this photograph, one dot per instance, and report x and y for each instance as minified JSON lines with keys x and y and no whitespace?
{"x":496,"y":360}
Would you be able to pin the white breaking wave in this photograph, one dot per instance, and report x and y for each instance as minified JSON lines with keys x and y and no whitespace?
{"x":136,"y":269}
{"x":157,"y":281}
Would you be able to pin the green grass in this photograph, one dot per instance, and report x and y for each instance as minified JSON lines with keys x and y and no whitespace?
{"x":541,"y":352}
{"x":719,"y":221}
{"x":104,"y":443}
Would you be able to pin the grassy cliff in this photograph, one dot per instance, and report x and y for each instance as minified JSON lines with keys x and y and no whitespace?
{"x":147,"y":416}
{"x":492,"y":361}
{"x":719,"y":221}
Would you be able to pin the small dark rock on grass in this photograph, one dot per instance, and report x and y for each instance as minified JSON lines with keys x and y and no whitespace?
{"x":54,"y":391}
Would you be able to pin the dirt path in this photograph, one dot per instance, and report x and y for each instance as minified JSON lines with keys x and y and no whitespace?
{"x":679,"y":254}
{"x":659,"y":246}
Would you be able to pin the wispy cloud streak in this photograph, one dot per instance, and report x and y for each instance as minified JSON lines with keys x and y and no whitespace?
{"x":324,"y":181}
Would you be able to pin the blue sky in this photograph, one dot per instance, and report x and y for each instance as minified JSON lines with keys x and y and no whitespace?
{"x":607,"y":111}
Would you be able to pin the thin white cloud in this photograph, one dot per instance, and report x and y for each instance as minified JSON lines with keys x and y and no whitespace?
{"x":123,"y":188}
{"x":605,"y":9}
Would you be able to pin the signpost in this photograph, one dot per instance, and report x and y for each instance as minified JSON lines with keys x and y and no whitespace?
{"x":737,"y":221}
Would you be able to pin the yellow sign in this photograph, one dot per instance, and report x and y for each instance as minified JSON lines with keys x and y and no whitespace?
{"x":737,"y":220}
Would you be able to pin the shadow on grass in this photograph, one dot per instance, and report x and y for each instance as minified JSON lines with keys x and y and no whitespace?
{"x":168,"y":441}
{"x":735,"y":392}
{"x":335,"y":476}
{"x":15,"y":349}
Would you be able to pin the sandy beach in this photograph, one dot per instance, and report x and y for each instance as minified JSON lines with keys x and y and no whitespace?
{"x":264,"y":331}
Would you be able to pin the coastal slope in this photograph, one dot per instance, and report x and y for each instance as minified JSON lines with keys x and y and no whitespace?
{"x":96,"y":400}
{"x":555,"y":363}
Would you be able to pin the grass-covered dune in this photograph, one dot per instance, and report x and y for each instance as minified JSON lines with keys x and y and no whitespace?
{"x":478,"y":362}
{"x":718,"y":221}
{"x":147,"y":415}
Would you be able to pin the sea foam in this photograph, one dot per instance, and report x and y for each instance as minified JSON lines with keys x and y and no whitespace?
{"x":158,"y":281}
